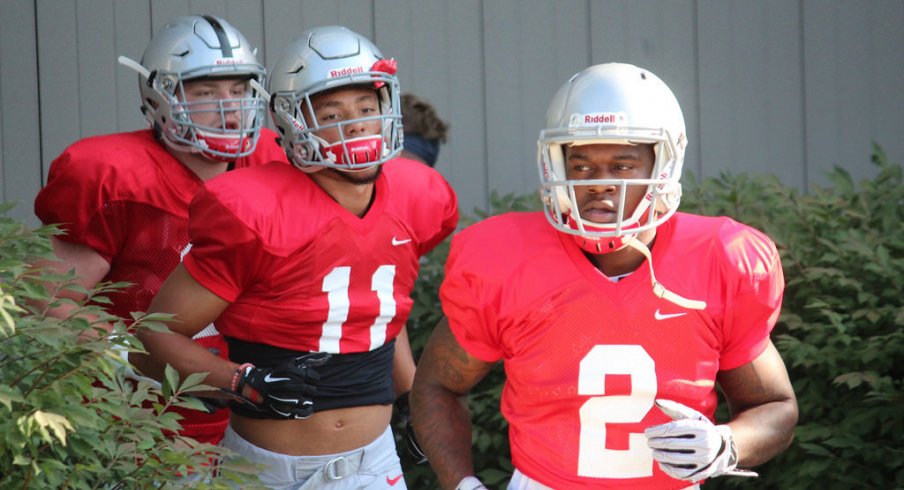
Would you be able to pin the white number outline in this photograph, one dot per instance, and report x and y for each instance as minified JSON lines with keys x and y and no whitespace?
{"x":594,"y":459}
{"x":335,"y":285}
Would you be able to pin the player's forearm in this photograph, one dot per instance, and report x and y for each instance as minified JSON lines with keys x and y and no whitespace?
{"x":764,"y":431}
{"x":443,"y":425}
{"x":89,"y":278}
{"x":184,"y":355}
{"x":67,"y":311}
{"x":403,"y":364}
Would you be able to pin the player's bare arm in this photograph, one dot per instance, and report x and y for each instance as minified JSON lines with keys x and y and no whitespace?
{"x":439,"y":409}
{"x":402,"y":364}
{"x":194,"y":307}
{"x":763,"y":407}
{"x":90,"y":268}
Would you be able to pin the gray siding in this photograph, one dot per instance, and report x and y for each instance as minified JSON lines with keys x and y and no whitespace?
{"x":790,"y":88}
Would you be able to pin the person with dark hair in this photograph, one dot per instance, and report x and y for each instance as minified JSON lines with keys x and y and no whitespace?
{"x":424,"y":130}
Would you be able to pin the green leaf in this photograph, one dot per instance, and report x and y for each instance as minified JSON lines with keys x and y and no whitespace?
{"x":171,"y":381}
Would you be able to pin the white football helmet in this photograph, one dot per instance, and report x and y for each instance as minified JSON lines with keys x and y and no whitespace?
{"x":612,"y":103}
{"x":322,"y":59}
{"x":199,"y":47}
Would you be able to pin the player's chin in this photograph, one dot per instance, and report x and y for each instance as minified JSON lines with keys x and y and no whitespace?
{"x":360,"y":177}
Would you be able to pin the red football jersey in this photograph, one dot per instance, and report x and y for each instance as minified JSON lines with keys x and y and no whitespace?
{"x":585,"y":357}
{"x":303,"y":273}
{"x":125,"y":196}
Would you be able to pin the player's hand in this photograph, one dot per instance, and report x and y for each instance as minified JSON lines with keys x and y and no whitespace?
{"x":404,"y":413}
{"x":287,"y":389}
{"x":691,"y":447}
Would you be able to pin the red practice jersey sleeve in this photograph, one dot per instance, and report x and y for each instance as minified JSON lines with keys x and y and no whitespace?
{"x":586,"y":357}
{"x":303,"y":273}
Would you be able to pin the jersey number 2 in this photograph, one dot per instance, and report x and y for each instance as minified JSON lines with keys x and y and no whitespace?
{"x":335,"y":285}
{"x":594,"y":459}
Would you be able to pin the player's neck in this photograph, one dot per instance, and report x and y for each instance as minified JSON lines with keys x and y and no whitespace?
{"x":204,"y":168}
{"x":623,"y":261}
{"x":354,"y":197}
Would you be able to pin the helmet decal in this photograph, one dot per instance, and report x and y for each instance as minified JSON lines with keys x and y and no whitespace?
{"x":225,"y":45}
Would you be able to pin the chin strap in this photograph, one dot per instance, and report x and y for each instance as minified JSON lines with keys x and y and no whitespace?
{"x":658,"y":289}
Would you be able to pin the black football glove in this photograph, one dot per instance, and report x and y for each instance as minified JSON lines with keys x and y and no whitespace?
{"x":403,"y":412}
{"x":286,"y":389}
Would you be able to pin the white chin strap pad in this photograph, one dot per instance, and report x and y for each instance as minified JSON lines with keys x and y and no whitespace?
{"x":658,"y":289}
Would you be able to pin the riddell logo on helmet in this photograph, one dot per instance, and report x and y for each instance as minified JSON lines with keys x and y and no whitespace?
{"x":230,"y":61}
{"x":346,"y":71}
{"x":605,"y":118}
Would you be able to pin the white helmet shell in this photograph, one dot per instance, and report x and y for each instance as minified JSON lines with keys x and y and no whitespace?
{"x":323,"y":59}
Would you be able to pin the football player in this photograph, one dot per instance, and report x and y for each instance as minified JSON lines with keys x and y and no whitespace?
{"x":308,"y":271}
{"x":616,"y":323}
{"x":123,"y":198}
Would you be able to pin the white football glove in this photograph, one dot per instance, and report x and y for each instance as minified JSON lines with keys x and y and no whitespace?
{"x":691,"y":447}
{"x":470,"y":483}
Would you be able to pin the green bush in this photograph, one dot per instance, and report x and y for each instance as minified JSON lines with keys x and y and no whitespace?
{"x":68,"y":417}
{"x":840,"y":330}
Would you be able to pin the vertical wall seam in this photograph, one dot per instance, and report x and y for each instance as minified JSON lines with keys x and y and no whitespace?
{"x":40,"y":128}
{"x":588,"y":8}
{"x":483,"y":96}
{"x":802,"y":46}
{"x":698,"y":91}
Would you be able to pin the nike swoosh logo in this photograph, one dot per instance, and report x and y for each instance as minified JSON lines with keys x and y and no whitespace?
{"x":666,"y":316}
{"x":270,"y":379}
{"x":393,"y":481}
{"x":397,"y":242}
{"x":184,"y":251}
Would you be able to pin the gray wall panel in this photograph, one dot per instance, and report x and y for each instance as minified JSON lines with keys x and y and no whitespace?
{"x":283,"y":21}
{"x":887,"y":77}
{"x":464,"y":160}
{"x":164,"y":10}
{"x":503,"y":82}
{"x":60,"y":103}
{"x":851,"y":71}
{"x":751,"y":117}
{"x":96,"y":66}
{"x":132,"y":30}
{"x":20,"y":145}
{"x":791,"y":88}
{"x":357,"y":15}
